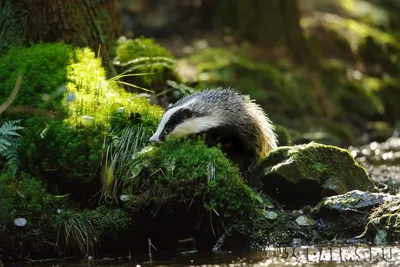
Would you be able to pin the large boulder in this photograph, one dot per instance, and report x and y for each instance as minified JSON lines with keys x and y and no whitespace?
{"x":302,"y":175}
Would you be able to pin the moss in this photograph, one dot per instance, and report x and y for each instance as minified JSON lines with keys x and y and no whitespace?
{"x":59,"y":152}
{"x":319,"y":162}
{"x":74,"y":108}
{"x":140,"y":47}
{"x":187,"y":171}
{"x":96,"y":98}
{"x":26,"y":197}
{"x":87,"y":230}
{"x":385,"y":217}
{"x":44,"y":68}
{"x":145,"y":56}
{"x":303,"y":174}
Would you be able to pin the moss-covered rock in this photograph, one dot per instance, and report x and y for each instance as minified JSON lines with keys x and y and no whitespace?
{"x":345,"y":216}
{"x":303,"y":174}
{"x":384,"y":222}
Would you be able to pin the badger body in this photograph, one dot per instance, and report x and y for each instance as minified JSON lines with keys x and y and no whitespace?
{"x":224,"y":116}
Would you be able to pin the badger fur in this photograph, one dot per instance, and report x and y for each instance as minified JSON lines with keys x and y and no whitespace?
{"x":224,"y":116}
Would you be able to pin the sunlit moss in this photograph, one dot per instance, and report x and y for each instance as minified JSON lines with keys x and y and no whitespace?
{"x":144,"y":55}
{"x":94,"y":97}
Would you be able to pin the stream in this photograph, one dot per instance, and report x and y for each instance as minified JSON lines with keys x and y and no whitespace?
{"x":335,"y":255}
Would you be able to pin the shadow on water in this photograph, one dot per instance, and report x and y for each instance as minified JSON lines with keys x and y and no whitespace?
{"x":353,"y":255}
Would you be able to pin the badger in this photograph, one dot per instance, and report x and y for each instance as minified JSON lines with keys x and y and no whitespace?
{"x":223,"y":116}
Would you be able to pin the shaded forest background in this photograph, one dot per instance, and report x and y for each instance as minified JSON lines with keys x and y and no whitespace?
{"x":325,"y":70}
{"x":328,"y":69}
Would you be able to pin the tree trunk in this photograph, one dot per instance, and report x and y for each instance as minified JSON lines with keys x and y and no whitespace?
{"x":79,"y":22}
{"x":295,"y":40}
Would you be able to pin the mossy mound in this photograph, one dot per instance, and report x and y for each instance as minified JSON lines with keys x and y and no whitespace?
{"x":27,"y":215}
{"x":144,"y":63}
{"x":186,"y":179}
{"x":72,"y":106}
{"x":303,"y":174}
{"x":44,"y":68}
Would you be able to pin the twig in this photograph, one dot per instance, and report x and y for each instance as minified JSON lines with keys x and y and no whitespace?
{"x":13,"y":94}
{"x":220,"y":242}
{"x":150,"y":246}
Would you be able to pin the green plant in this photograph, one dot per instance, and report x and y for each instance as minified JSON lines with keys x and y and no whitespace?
{"x":118,"y":156}
{"x":78,"y":231}
{"x":9,"y":142}
{"x":84,"y":229}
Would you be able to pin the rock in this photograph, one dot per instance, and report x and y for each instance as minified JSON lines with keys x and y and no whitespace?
{"x":304,"y":220}
{"x":383,"y":224}
{"x":346,"y":216}
{"x":302,"y":175}
{"x":353,"y":201}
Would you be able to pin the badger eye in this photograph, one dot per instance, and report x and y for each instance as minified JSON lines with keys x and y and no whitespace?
{"x":188,"y":113}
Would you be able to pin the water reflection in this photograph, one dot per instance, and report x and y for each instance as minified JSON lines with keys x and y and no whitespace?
{"x":272,"y":256}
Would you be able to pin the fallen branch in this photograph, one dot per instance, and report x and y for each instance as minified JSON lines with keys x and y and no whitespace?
{"x":13,"y":94}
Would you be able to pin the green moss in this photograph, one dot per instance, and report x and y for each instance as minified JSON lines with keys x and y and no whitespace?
{"x":140,"y":47}
{"x":55,"y":148}
{"x":44,"y":68}
{"x":96,"y":99}
{"x":323,"y":161}
{"x":26,"y":197}
{"x":145,"y":56}
{"x":86,"y":230}
{"x":331,"y":167}
{"x":187,"y":171}
{"x":74,"y":109}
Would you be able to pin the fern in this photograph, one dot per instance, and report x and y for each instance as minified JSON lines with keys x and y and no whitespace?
{"x":9,"y":142}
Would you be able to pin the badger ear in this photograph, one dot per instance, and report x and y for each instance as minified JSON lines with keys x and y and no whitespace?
{"x":188,"y":113}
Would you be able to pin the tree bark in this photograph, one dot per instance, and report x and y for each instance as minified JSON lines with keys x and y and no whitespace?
{"x":79,"y":22}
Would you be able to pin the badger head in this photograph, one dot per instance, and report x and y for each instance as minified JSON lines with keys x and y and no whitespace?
{"x":183,"y":119}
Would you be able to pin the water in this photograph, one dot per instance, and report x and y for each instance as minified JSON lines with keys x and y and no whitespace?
{"x":284,"y":256}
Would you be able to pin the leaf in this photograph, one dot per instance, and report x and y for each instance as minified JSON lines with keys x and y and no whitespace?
{"x":272,"y":215}
{"x":136,"y":170}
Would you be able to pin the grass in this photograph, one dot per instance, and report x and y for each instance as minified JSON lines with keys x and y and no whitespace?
{"x":123,"y":145}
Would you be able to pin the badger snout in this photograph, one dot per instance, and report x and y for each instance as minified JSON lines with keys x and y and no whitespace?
{"x":154,"y":139}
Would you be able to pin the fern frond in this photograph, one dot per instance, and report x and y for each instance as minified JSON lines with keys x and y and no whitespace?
{"x":9,"y":142}
{"x":11,"y":156}
{"x":10,"y":128}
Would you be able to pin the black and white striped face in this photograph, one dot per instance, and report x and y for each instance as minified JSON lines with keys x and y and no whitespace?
{"x":182,"y":120}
